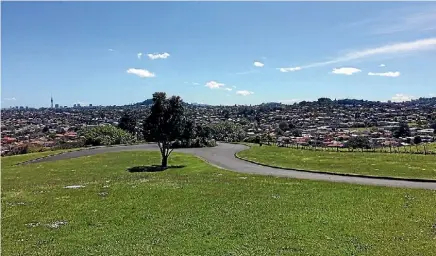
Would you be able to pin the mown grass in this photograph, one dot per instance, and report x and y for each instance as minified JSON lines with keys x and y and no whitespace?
{"x":367,"y":163}
{"x":202,"y":210}
{"x":11,"y":160}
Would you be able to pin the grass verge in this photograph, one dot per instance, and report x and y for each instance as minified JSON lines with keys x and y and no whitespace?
{"x":201,"y":210}
{"x":373,"y":164}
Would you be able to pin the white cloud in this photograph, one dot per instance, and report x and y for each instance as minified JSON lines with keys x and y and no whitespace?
{"x":388,"y":74}
{"x":244,"y":93}
{"x":111,"y":50}
{"x":140,"y":72}
{"x":432,"y":94}
{"x":155,"y":56}
{"x":139,"y":55}
{"x":234,"y":86}
{"x":346,"y":71}
{"x":382,"y":65}
{"x":285,"y":70}
{"x":399,"y":97}
{"x":404,"y":47}
{"x":195,"y":83}
{"x":10,"y":99}
{"x":214,"y":85}
{"x":228,"y":89}
{"x":258,"y":64}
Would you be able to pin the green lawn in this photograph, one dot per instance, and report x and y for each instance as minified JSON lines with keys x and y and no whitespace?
{"x":11,"y":160}
{"x":368,"y":163}
{"x":202,"y":210}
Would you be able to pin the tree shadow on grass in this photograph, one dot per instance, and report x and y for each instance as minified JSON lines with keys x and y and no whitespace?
{"x":153,"y":168}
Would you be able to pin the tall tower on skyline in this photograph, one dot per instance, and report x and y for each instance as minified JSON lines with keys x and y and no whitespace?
{"x":51,"y":100}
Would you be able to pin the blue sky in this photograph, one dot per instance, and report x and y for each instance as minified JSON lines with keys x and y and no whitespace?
{"x":216,"y":53}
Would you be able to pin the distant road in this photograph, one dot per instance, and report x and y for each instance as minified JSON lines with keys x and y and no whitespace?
{"x":223,"y":156}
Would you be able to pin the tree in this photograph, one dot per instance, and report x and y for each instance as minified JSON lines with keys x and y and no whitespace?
{"x":165,"y":123}
{"x":283,"y":126}
{"x":127,"y":123}
{"x":297,"y":133}
{"x":45,"y":129}
{"x":359,"y":142}
{"x":417,"y":140}
{"x":189,"y":132}
{"x":227,"y":131}
{"x":402,"y":131}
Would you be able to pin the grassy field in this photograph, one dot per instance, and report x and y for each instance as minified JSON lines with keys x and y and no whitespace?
{"x":202,"y":210}
{"x":377,"y":164}
{"x":11,"y":160}
{"x":430,"y":147}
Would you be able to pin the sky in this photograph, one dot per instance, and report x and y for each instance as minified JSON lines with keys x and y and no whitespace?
{"x":116,"y":53}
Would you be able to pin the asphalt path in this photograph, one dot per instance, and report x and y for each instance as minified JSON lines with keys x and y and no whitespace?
{"x":223,"y":156}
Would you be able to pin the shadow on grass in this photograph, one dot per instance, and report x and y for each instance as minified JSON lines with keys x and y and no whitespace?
{"x":153,"y":168}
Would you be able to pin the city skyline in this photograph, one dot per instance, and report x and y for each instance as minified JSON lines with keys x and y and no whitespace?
{"x":223,"y":53}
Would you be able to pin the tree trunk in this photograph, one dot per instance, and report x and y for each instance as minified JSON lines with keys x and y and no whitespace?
{"x":164,"y":161}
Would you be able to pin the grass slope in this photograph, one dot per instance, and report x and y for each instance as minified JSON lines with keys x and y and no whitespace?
{"x":16,"y":159}
{"x":202,"y":210}
{"x":377,"y":164}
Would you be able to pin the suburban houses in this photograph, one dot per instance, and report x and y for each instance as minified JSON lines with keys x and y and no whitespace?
{"x":329,"y":122}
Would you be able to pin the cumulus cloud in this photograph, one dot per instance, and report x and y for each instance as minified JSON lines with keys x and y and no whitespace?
{"x":10,"y":99}
{"x":285,"y":70}
{"x":346,"y":71}
{"x":258,"y":64}
{"x":382,"y":65}
{"x":399,"y":97}
{"x":388,"y":74}
{"x":111,"y":50}
{"x":139,"y":55}
{"x":244,"y":93}
{"x":228,"y":89}
{"x":214,"y":85}
{"x":140,"y":72}
{"x":155,"y":56}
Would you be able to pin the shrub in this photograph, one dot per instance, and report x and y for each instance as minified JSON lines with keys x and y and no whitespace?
{"x":106,"y":135}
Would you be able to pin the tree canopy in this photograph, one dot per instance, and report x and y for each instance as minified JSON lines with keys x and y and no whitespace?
{"x":165,"y":123}
{"x":127,"y":123}
{"x":402,"y":131}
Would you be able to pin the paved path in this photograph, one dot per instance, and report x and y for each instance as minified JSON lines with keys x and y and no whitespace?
{"x":223,"y":156}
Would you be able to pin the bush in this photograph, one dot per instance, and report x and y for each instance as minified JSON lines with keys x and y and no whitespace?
{"x":227,"y":131}
{"x":106,"y":135}
{"x":252,"y":139}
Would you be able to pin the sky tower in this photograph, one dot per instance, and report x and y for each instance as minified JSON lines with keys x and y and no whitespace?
{"x":51,"y":100}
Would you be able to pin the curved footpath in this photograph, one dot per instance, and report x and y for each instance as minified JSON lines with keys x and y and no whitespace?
{"x":224,"y":156}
